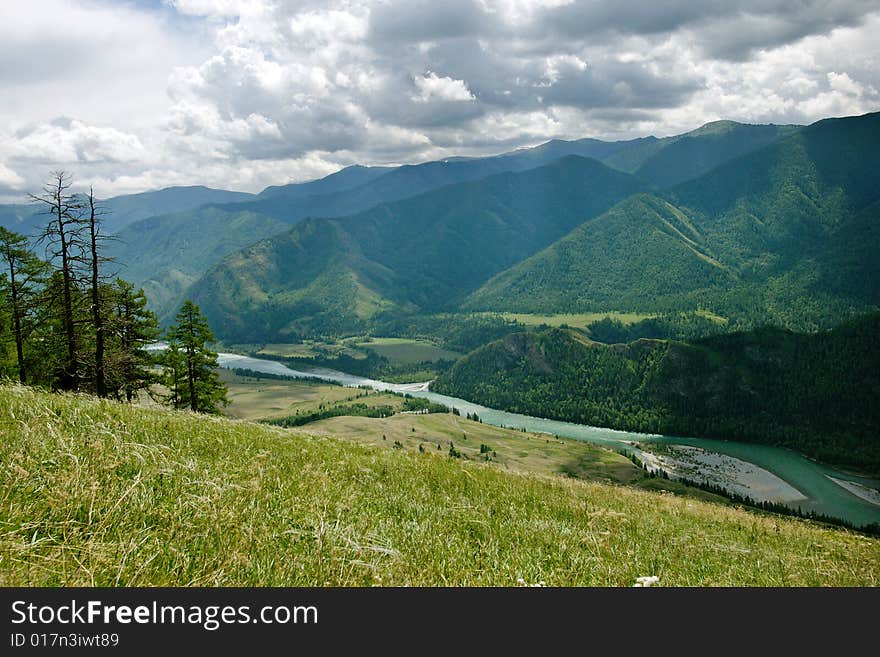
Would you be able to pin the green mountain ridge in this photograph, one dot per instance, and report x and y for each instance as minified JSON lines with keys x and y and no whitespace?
{"x":625,"y":240}
{"x":688,"y":156}
{"x":181,"y":250}
{"x":424,"y":253}
{"x":784,"y":234}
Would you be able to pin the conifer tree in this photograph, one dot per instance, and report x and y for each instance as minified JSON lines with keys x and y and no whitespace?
{"x":63,"y":239}
{"x":131,"y":327}
{"x":191,"y":365}
{"x":23,"y":275}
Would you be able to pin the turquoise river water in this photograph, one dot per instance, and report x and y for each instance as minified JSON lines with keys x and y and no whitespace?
{"x":811,"y":478}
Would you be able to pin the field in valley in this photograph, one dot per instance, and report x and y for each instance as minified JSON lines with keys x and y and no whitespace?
{"x":576,"y":320}
{"x":254,"y":398}
{"x":407,"y":351}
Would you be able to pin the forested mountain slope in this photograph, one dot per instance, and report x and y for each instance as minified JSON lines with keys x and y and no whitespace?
{"x":424,"y":253}
{"x":166,"y":254}
{"x":816,"y":393}
{"x":786,"y":234}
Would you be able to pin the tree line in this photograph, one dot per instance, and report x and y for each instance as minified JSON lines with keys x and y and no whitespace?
{"x":68,"y":324}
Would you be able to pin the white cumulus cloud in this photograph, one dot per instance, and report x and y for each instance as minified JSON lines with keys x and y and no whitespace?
{"x":9,"y":178}
{"x":433,"y":87}
{"x":247,"y":93}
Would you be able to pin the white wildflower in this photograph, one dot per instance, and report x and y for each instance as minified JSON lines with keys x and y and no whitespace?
{"x":522,"y":582}
{"x":646,"y":581}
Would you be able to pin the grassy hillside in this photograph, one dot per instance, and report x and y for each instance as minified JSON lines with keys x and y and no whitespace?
{"x":786,"y":234}
{"x":331,"y":275}
{"x":815,"y":393}
{"x":97,"y":493}
{"x":265,"y":399}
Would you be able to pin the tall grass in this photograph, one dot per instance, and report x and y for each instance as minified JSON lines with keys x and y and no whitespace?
{"x":99,"y":493}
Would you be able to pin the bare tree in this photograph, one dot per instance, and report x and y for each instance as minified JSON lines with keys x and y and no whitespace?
{"x":63,"y":239}
{"x":94,"y":237}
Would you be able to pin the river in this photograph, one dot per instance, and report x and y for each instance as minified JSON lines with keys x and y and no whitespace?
{"x":814,"y":480}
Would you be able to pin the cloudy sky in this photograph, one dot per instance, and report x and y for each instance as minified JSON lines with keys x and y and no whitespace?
{"x":141,"y":94}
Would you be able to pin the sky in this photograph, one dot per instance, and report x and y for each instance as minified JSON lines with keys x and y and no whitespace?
{"x":132,"y":95}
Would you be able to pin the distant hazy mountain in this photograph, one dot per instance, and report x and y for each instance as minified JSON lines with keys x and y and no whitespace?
{"x":334,"y":198}
{"x":340,"y":181}
{"x":340,"y":194}
{"x":122,"y":211}
{"x":125,"y":210}
{"x":21,"y":218}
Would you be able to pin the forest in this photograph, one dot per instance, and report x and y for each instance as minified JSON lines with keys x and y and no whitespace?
{"x":813,"y":392}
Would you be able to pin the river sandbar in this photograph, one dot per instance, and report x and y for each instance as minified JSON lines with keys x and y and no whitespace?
{"x":733,"y":474}
{"x":867,"y":493}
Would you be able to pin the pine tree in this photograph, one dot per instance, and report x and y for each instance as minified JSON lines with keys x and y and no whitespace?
{"x":130,"y":328}
{"x":24,"y":274}
{"x":191,"y":365}
{"x":173,"y":374}
{"x":47,"y":352}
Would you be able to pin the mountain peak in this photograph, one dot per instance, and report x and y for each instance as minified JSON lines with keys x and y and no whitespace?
{"x":715,"y":127}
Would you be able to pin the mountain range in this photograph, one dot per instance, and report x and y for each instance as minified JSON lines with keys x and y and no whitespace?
{"x":787,"y":232}
{"x":783,"y":233}
{"x":757,"y":223}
